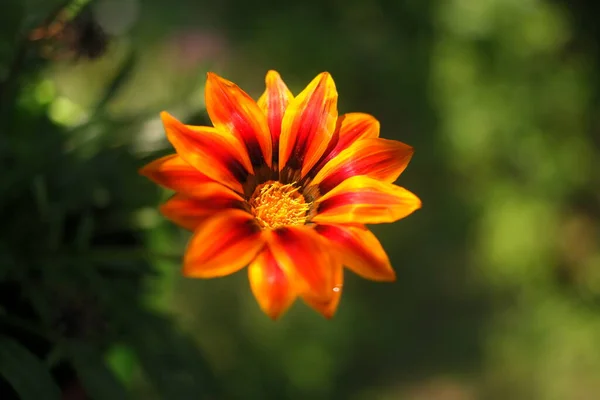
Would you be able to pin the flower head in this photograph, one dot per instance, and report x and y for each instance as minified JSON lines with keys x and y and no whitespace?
{"x":285,"y":187}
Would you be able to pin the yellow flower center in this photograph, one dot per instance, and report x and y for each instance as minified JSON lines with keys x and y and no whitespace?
{"x":275,"y":205}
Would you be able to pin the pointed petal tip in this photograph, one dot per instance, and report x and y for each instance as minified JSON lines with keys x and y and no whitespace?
{"x":149,"y":170}
{"x":272,"y":75}
{"x":274,"y":316}
{"x":390,"y":278}
{"x":326,"y":310}
{"x":211,"y":79}
{"x":328,"y":314}
{"x":326,"y":78}
{"x":419,"y":204}
{"x":168,"y":119}
{"x":144,"y":171}
{"x":215,"y":79}
{"x":187,"y":273}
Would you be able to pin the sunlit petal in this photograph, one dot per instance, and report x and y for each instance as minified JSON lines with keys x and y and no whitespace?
{"x":232,"y":110}
{"x":222,"y":244}
{"x":284,"y":187}
{"x":214,"y":154}
{"x":189,"y":212}
{"x":328,"y":308}
{"x":304,"y":257}
{"x":273,"y":103}
{"x":351,"y":127}
{"x":365,"y":200}
{"x":378,"y":158}
{"x":360,"y":251}
{"x":270,"y":285}
{"x":174,"y":173}
{"x":308,"y":125}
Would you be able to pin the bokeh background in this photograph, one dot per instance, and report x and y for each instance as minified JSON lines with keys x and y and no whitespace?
{"x":498,"y":290}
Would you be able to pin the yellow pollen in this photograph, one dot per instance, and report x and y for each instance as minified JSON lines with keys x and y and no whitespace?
{"x":275,"y":205}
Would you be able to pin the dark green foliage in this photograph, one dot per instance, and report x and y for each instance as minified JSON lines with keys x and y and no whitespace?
{"x":26,"y":374}
{"x":72,"y":265}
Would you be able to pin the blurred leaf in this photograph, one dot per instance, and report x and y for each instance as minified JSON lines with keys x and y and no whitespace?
{"x":171,"y":360}
{"x":99,"y":382}
{"x":85,"y":230}
{"x":26,"y":373}
{"x":117,"y":83}
{"x":40,"y":11}
{"x":122,"y":361}
{"x":10,"y":20}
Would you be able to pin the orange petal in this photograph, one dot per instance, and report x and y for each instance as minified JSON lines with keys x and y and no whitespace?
{"x":303,"y":256}
{"x":273,"y":103}
{"x":378,"y":158}
{"x":233,"y":110}
{"x":211,"y":152}
{"x":356,"y":126}
{"x":364,"y":200}
{"x":270,"y":285}
{"x":352,"y":127}
{"x":190,"y":212}
{"x":222,"y":244}
{"x":360,"y":251}
{"x":308,"y":125}
{"x":328,"y":308}
{"x":174,"y":173}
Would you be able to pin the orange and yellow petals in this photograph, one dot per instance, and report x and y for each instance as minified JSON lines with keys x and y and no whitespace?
{"x":364,"y":200}
{"x":352,"y":127}
{"x":378,"y":158}
{"x":211,"y":152}
{"x":304,"y":257}
{"x":273,"y":103}
{"x":174,"y":173}
{"x":189,"y":212}
{"x":360,"y":251}
{"x":328,"y":308}
{"x":308,"y":125}
{"x":270,"y":285}
{"x":232,"y":110}
{"x":222,"y":244}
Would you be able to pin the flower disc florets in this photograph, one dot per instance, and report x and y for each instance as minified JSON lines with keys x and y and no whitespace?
{"x":276,"y":205}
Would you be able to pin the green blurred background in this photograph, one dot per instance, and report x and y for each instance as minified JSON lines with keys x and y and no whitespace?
{"x":498,"y":291}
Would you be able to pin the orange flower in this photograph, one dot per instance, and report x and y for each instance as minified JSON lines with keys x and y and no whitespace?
{"x":285,"y":187}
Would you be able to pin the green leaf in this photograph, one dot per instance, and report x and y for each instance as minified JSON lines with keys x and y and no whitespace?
{"x":25,"y":372}
{"x":98,"y":381}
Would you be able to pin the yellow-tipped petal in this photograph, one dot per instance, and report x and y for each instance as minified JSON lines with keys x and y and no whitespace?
{"x":233,"y":111}
{"x":270,"y":285}
{"x":364,"y":200}
{"x":222,"y":244}
{"x":328,"y":308}
{"x":360,"y":251}
{"x":375,"y":157}
{"x":273,"y":103}
{"x":303,"y":256}
{"x":308,"y":125}
{"x":214,"y":154}
{"x":174,"y":173}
